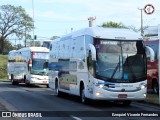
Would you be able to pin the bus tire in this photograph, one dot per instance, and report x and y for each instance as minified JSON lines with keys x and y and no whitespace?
{"x":155,"y":87}
{"x":57,"y":92}
{"x":25,"y":81}
{"x":47,"y":86}
{"x":12,"y":80}
{"x":83,"y":98}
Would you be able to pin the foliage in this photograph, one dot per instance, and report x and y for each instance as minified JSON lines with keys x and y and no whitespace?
{"x":8,"y":47}
{"x":14,"y":21}
{"x":113,"y":25}
{"x":54,"y":37}
{"x":120,"y":25}
{"x":34,"y":43}
{"x":133,"y":28}
{"x":3,"y":66}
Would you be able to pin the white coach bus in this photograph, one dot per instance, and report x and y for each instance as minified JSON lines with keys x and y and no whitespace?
{"x":28,"y":65}
{"x":100,"y":64}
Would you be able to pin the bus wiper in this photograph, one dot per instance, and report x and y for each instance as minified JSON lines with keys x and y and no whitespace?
{"x":118,"y":65}
{"x":39,"y":73}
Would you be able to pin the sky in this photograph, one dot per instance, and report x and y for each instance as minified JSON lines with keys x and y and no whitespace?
{"x":58,"y":17}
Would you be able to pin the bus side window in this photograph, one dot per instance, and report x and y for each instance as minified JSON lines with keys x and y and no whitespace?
{"x":90,"y":64}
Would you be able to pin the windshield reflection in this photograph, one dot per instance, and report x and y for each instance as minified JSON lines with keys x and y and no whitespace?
{"x":120,"y":61}
{"x":39,"y":67}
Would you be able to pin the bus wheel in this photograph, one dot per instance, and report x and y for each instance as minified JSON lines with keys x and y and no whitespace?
{"x":57,"y":92}
{"x":12,"y":80}
{"x":126,"y":103}
{"x":25,"y":81}
{"x":155,"y":87}
{"x":82,"y":95}
{"x":47,"y":86}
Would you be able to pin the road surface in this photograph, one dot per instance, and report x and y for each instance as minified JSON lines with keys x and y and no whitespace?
{"x":41,"y":101}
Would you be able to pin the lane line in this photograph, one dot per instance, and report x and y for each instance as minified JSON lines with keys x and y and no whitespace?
{"x":74,"y":117}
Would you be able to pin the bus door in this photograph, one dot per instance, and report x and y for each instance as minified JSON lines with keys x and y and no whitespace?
{"x":91,"y":62}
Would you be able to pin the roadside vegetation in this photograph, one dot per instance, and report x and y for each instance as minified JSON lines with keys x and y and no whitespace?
{"x":3,"y":67}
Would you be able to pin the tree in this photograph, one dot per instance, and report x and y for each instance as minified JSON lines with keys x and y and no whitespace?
{"x":14,"y":21}
{"x":113,"y":25}
{"x":120,"y":25}
{"x":54,"y":37}
{"x":133,"y":28}
{"x":8,"y":46}
{"x":35,"y":43}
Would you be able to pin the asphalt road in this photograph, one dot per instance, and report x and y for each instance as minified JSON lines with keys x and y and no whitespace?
{"x":42,"y":101}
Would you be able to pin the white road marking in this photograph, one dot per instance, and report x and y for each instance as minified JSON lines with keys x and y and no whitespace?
{"x":74,"y":117}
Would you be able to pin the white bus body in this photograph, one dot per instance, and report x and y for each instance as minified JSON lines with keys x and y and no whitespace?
{"x":89,"y":63}
{"x":28,"y":65}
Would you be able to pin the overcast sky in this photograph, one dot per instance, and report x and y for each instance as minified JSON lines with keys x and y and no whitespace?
{"x":57,"y":17}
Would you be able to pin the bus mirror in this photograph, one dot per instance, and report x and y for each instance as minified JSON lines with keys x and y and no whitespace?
{"x":150,"y":53}
{"x":93,"y":52}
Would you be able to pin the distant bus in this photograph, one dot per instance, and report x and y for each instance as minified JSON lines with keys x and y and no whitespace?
{"x":100,"y":64}
{"x":16,"y":67}
{"x":28,"y":65}
{"x":46,"y":43}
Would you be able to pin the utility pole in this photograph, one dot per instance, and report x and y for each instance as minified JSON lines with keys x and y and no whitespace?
{"x":91,"y":19}
{"x":141,"y":20}
{"x":25,"y":41}
{"x":33,"y":22}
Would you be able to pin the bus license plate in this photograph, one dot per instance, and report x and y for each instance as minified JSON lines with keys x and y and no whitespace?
{"x":44,"y":81}
{"x":122,"y":96}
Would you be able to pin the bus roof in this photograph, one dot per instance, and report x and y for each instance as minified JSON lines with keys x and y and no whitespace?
{"x":12,"y":51}
{"x":106,"y":33}
{"x":47,"y":40}
{"x":35,"y":49}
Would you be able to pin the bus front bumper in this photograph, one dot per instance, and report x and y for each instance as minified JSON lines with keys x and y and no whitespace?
{"x":107,"y":95}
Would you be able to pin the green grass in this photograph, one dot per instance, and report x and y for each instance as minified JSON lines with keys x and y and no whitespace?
{"x":3,"y":67}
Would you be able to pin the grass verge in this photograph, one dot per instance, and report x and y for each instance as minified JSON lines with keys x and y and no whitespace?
{"x":3,"y":67}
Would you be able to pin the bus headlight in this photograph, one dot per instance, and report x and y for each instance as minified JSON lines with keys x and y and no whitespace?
{"x":97,"y":94}
{"x":142,"y":86}
{"x":100,"y":85}
{"x":33,"y":78}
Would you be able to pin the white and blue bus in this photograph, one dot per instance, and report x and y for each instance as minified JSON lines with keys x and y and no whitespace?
{"x":29,"y":65}
{"x":100,"y":64}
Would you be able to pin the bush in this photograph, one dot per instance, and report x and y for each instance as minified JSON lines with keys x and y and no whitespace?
{"x":3,"y":66}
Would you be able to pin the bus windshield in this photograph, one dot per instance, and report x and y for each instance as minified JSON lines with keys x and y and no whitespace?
{"x":40,"y":63}
{"x":39,"y":67}
{"x":46,"y":44}
{"x":120,"y":61}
